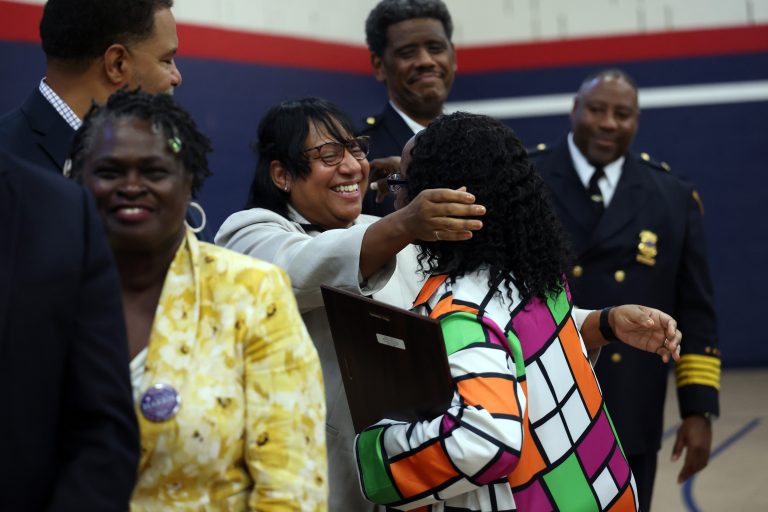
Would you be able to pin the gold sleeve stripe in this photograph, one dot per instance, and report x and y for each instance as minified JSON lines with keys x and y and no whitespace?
{"x":698,"y":358}
{"x":713,"y":383}
{"x":698,"y":369}
{"x":682,"y":372}
{"x":698,"y":376}
{"x":694,"y":359}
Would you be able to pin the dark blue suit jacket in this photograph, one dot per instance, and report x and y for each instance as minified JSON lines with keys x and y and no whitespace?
{"x":69,"y":435}
{"x":647,"y":198}
{"x":35,"y":132}
{"x":388,"y":133}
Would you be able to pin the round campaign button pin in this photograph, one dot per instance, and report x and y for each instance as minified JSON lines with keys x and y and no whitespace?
{"x":160,"y":403}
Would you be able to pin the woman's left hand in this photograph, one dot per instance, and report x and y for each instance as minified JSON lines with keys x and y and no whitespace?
{"x":646,"y":329}
{"x":381,"y":168}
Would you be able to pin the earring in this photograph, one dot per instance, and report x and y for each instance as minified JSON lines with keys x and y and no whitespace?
{"x":196,"y":206}
{"x":285,"y":188}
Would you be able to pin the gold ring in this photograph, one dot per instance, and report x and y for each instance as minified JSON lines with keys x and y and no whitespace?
{"x":437,"y":237}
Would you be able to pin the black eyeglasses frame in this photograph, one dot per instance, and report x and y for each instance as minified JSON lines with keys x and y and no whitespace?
{"x":363,"y":142}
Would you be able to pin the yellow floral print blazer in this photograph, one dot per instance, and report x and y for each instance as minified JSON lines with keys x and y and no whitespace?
{"x":250,"y":432}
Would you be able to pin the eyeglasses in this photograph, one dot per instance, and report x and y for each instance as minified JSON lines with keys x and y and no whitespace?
{"x":332,"y":153}
{"x":395,"y":181}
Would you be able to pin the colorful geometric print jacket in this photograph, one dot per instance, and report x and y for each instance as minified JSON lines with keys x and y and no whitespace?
{"x":527,"y":429}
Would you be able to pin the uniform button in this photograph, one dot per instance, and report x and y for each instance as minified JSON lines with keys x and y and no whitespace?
{"x":645,"y":156}
{"x":619,"y":276}
{"x":708,"y":350}
{"x":577,"y":271}
{"x":370,"y":120}
{"x":615,"y":358}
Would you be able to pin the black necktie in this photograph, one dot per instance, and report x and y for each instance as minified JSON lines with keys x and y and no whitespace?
{"x":596,"y":196}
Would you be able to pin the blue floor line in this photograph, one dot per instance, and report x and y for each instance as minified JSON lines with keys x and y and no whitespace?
{"x":687,"y":490}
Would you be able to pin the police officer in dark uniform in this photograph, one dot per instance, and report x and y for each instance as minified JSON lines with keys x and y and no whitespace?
{"x":412,"y":53}
{"x":637,"y":237}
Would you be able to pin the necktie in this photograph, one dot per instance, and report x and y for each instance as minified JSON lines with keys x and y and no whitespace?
{"x":595,"y":198}
{"x":595,"y":195}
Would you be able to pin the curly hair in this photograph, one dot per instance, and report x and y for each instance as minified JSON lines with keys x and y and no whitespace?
{"x":389,"y":12}
{"x":521,"y":241}
{"x":282,"y":135}
{"x":164,"y":113}
{"x":77,"y":30}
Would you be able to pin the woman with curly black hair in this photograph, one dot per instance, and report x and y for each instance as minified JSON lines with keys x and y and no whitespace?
{"x":527,"y":428}
{"x":522,"y":241}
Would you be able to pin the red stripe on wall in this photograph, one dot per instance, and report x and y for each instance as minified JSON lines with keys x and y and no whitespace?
{"x":220,"y":44}
{"x":627,"y":48}
{"x":19,"y":22}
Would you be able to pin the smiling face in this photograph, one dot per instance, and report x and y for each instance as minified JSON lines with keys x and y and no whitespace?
{"x":141,"y":188}
{"x":152,"y":59}
{"x":604,"y":119}
{"x":418,"y":66}
{"x":330,"y":196}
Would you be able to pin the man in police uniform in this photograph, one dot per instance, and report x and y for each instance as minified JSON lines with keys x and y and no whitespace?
{"x":637,"y":237}
{"x":412,"y":53}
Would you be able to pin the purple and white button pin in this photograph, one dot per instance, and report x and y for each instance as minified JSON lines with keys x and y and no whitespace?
{"x":161,"y":402}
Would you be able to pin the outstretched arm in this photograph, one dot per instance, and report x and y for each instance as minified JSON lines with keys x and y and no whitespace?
{"x":641,"y":327}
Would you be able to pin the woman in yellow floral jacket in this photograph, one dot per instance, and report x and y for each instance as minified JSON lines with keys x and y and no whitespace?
{"x":228,"y":385}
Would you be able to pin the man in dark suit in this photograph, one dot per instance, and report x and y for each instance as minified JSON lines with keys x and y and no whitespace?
{"x":637,"y":237}
{"x":92,"y":49}
{"x":412,"y":53}
{"x":69,"y":435}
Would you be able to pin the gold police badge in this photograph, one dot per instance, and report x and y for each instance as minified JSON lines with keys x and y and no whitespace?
{"x":646,"y":249}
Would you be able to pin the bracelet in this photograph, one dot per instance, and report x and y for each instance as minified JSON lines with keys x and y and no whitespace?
{"x":605,"y":327}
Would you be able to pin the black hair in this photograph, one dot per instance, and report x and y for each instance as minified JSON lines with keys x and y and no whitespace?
{"x":521,"y":240}
{"x":389,"y":12}
{"x":81,"y":30}
{"x":615,"y":73}
{"x":164,"y":113}
{"x":282,"y":135}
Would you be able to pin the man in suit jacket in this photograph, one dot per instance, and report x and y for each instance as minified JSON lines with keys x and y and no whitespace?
{"x":412,"y":53}
{"x":637,"y":237}
{"x":92,"y":49}
{"x":70,"y":437}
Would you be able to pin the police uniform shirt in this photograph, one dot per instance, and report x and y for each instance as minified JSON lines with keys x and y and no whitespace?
{"x":584,"y":169}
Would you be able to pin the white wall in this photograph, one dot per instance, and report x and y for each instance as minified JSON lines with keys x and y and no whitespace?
{"x":477,"y":21}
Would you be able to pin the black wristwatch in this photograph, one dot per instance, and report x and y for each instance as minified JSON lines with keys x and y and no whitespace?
{"x":605,"y":327}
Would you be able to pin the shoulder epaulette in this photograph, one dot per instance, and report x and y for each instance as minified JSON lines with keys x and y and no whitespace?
{"x":659,"y":166}
{"x":696,"y":197}
{"x":539,"y":149}
{"x":370,"y":122}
